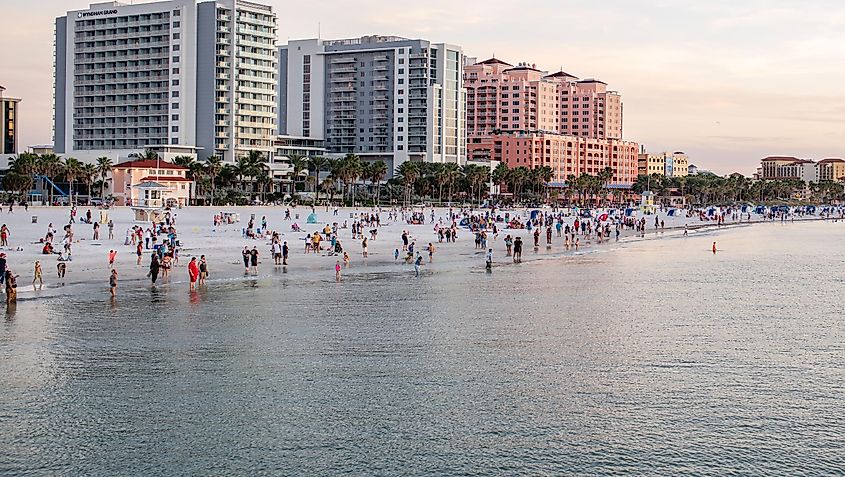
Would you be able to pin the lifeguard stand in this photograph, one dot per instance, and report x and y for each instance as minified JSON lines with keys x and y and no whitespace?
{"x":647,"y":203}
{"x":149,"y":207}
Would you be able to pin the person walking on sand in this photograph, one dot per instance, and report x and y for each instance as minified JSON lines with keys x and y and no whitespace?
{"x":37,"y":276}
{"x":113,"y":283}
{"x":61,"y":268}
{"x":112,"y":256}
{"x":714,"y":248}
{"x":111,"y":230}
{"x":139,"y":251}
{"x":96,"y":231}
{"x":364,"y":247}
{"x":4,"y":236}
{"x":285,"y":251}
{"x":203,"y":266}
{"x":193,"y":273}
{"x":337,"y":271}
{"x":517,"y":250}
{"x":430,"y":252}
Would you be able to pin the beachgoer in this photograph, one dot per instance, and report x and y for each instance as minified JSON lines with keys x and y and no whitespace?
{"x":203,"y":267}
{"x":285,"y":251}
{"x":112,"y":256}
{"x":61,"y":268}
{"x":253,"y":260}
{"x":489,"y":259}
{"x":245,"y":254}
{"x":155,"y":266}
{"x":11,"y":287}
{"x":417,"y":264}
{"x":113,"y":283}
{"x":337,"y":271}
{"x":193,"y":272}
{"x":37,"y":275}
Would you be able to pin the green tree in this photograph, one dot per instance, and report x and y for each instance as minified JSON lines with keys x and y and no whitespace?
{"x":104,"y":168}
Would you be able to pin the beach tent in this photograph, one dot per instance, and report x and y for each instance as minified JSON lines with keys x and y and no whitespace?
{"x":629,"y":212}
{"x":711,"y":211}
{"x":673,"y":212}
{"x":312,"y":218}
{"x":534,"y":214}
{"x":760,"y":210}
{"x":811,"y":209}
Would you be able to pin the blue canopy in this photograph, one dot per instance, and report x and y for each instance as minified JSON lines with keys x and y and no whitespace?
{"x":312,"y":218}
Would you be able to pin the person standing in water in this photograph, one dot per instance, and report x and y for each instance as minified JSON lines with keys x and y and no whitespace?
{"x":37,"y":276}
{"x":489,"y":259}
{"x":517,"y":250}
{"x":417,"y":264}
{"x":113,"y":283}
{"x":155,"y":267}
{"x":203,"y":270}
{"x":337,"y":271}
{"x":112,"y":256}
{"x":253,"y":260}
{"x":193,"y":273}
{"x":714,"y":248}
{"x":246,"y":256}
{"x":11,"y":286}
{"x":285,"y":251}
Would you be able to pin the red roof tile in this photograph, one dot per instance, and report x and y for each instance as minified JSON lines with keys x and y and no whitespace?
{"x":148,"y":164}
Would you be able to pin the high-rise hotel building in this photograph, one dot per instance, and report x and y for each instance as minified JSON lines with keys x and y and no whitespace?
{"x":522,"y":116}
{"x":173,"y":75}
{"x":380,"y":97}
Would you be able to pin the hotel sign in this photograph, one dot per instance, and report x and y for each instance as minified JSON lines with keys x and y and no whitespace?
{"x":96,"y":13}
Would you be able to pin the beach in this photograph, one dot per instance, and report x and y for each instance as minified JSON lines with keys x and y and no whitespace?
{"x":88,"y":272}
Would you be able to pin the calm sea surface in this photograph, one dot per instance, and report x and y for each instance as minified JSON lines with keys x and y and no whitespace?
{"x":657,"y":358}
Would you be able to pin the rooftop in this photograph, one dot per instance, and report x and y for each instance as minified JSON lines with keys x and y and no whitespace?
{"x":149,"y":164}
{"x":494,"y":61}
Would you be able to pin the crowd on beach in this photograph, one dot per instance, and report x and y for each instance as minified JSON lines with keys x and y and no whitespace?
{"x":157,"y":246}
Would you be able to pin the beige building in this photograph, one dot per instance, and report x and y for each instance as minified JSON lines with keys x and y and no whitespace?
{"x":127,"y":175}
{"x":675,"y":164}
{"x":831,"y":169}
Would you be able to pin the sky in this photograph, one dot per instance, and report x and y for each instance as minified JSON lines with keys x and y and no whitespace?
{"x":728,"y":82}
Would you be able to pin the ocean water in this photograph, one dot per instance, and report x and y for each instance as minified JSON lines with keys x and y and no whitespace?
{"x":654,"y":358}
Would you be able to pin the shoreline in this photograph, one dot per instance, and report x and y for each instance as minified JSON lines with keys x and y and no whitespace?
{"x":313,"y":269}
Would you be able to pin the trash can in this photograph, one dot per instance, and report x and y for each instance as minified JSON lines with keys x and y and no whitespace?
{"x":34,"y":219}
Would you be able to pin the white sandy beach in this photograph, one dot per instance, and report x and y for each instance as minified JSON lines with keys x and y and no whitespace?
{"x":88,"y":272}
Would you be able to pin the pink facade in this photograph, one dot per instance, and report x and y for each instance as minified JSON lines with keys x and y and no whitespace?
{"x":501,"y":97}
{"x":566,"y":155}
{"x":522,"y":116}
{"x":128,"y":174}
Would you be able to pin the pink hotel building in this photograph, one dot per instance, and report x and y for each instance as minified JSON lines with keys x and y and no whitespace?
{"x":522,"y":116}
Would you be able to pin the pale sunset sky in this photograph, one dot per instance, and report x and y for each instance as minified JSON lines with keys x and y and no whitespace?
{"x":728,"y":82}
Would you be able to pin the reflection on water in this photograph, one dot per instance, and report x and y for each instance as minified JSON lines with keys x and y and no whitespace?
{"x":657,"y":358}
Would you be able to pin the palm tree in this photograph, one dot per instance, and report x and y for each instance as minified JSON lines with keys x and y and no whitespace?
{"x":147,"y":155}
{"x":298,"y":163}
{"x":104,"y":168}
{"x":408,"y":172}
{"x":451,"y":173}
{"x":316,"y":164}
{"x":378,"y":171}
{"x":72,"y":170}
{"x":351,"y":168}
{"x":213,"y":166}
{"x":87,"y":173}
